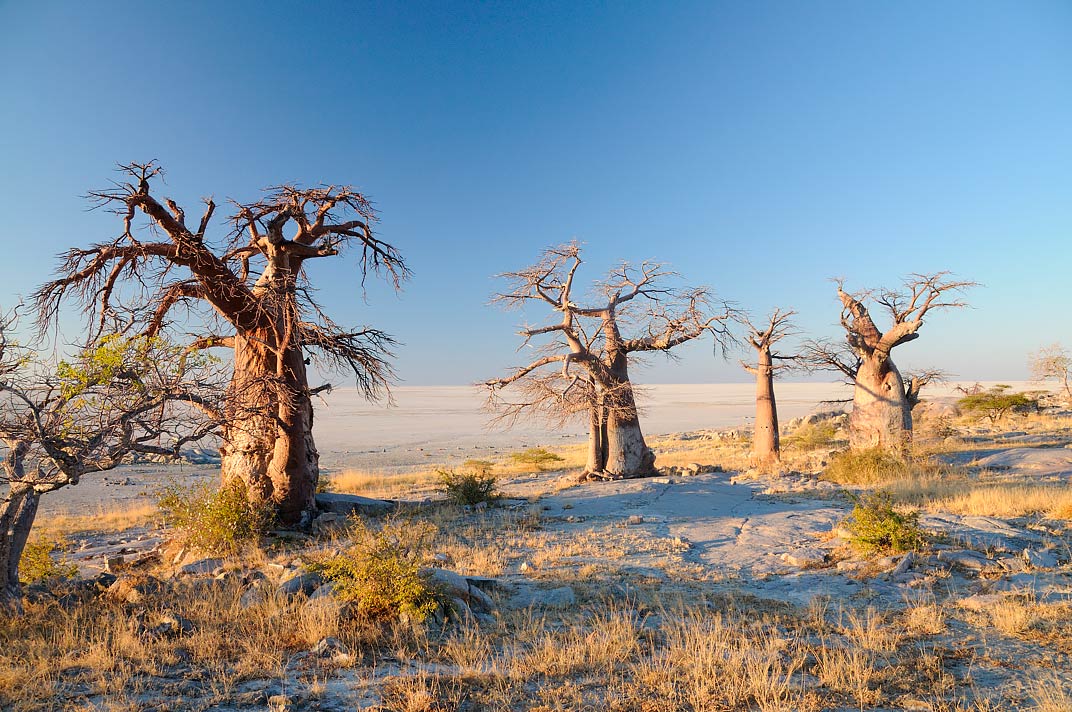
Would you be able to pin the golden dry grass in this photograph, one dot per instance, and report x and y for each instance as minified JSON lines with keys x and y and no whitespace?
{"x":960,"y":495}
{"x":105,"y":520}
{"x":379,"y":484}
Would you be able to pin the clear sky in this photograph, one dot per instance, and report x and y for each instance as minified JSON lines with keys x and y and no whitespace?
{"x":758,"y":147}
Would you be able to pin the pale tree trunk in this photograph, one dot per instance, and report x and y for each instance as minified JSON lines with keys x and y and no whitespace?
{"x":766,"y":447}
{"x":269,"y":443}
{"x":627,"y":455}
{"x":881,"y":416}
{"x":17,"y":514}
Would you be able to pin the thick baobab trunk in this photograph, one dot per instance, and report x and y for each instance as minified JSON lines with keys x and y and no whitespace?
{"x":17,"y":514}
{"x":881,"y":416}
{"x":268,"y":443}
{"x":766,"y":448}
{"x":626,"y":452}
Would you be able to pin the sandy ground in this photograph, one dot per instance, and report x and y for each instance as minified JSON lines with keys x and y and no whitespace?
{"x":445,"y":425}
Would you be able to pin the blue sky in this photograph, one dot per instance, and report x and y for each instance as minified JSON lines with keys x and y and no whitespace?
{"x":758,"y":147}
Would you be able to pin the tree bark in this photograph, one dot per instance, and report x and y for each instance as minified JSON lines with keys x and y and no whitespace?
{"x":766,"y":447}
{"x":627,"y":454}
{"x":595,"y":440}
{"x":268,"y":444}
{"x":881,"y":416}
{"x":17,"y":515}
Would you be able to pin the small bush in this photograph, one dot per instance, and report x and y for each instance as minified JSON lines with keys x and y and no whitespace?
{"x":380,"y":572}
{"x":215,"y":521}
{"x":468,"y":488}
{"x":536,"y":457}
{"x":861,"y":467}
{"x":38,"y":564}
{"x":812,"y":436}
{"x":877,"y":527}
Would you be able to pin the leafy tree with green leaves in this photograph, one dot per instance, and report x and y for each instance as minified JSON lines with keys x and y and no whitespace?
{"x":59,"y":421}
{"x":994,"y":403}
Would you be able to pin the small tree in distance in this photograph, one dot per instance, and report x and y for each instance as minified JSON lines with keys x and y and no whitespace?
{"x":766,"y":446}
{"x":1053,"y":362}
{"x":584,"y":365}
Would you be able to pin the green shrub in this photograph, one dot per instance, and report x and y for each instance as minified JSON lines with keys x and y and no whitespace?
{"x":876,"y":527}
{"x":812,"y":436}
{"x":380,"y":572}
{"x":468,"y":488}
{"x":996,"y":402}
{"x":862,"y":467}
{"x":537,"y":457}
{"x":38,"y":564}
{"x":214,"y":520}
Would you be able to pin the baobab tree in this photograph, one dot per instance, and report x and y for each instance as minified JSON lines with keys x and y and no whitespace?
{"x":766,"y":446}
{"x":591,"y":354}
{"x":255,"y":285}
{"x":60,"y":421}
{"x":881,"y":406}
{"x":1053,"y":362}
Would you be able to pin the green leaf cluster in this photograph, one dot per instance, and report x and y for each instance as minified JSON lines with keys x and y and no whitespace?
{"x":995,"y":402}
{"x":39,"y":562}
{"x":381,"y":572}
{"x":217,"y":521}
{"x":877,"y":527}
{"x":471,"y":486}
{"x":537,"y":457}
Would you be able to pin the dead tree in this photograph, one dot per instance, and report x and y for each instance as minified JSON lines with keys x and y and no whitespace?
{"x":916,"y":381}
{"x":881,"y":411}
{"x":766,"y":447}
{"x":591,"y":354}
{"x":1053,"y":362}
{"x":59,"y":422}
{"x":255,"y":284}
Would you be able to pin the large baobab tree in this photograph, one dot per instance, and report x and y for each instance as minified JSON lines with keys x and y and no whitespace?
{"x":766,"y":447}
{"x":882,"y":407}
{"x":590,"y":353}
{"x":259,"y":304}
{"x":61,"y":421}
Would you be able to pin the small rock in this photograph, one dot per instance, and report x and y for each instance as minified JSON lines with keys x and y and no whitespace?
{"x":201,"y":567}
{"x":904,"y":564}
{"x":964,"y":558}
{"x":561,"y":597}
{"x":805,"y":558}
{"x":131,"y":589}
{"x":302,"y":583}
{"x":345,"y":504}
{"x":443,"y":559}
{"x":114,"y":564}
{"x":254,"y":596}
{"x":634,"y":519}
{"x":330,"y":647}
{"x":328,"y":521}
{"x":1040,"y":559}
